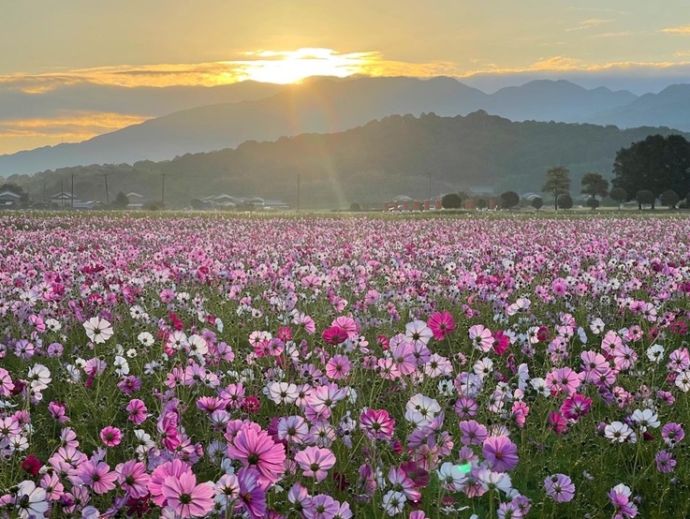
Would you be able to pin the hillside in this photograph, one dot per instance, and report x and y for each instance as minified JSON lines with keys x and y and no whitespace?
{"x":368,"y":164}
{"x":318,"y":105}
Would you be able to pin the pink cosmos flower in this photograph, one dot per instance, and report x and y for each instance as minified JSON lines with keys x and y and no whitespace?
{"x":174,"y":468}
{"x":111,"y":436}
{"x":252,"y":496}
{"x":377,"y":424}
{"x":501,"y":453}
{"x":97,"y":476}
{"x":254,"y":447}
{"x":334,"y":335}
{"x":136,"y":411}
{"x":338,"y":367}
{"x":481,"y":337}
{"x":315,"y":462}
{"x":560,"y":488}
{"x":187,"y":499}
{"x":133,"y":478}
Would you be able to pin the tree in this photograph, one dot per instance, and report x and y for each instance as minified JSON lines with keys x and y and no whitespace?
{"x":592,"y":203}
{"x":509,"y":199}
{"x":451,"y":201}
{"x":565,"y":201}
{"x":619,"y":195}
{"x":121,"y":201}
{"x":645,"y":197}
{"x":355,"y":207}
{"x":655,"y":164}
{"x":557,"y":183}
{"x":537,"y":202}
{"x":17,"y":190}
{"x":593,"y":184}
{"x":669,"y":198}
{"x":482,"y":203}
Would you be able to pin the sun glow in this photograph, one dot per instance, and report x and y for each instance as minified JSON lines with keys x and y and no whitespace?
{"x":285,"y":67}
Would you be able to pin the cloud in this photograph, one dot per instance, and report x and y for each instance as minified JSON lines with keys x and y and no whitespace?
{"x":680,"y":29}
{"x":589,"y":23}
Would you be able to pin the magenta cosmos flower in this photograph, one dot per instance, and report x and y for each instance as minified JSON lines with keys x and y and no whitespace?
{"x":133,"y":478}
{"x":441,"y":324}
{"x":315,"y":462}
{"x":254,"y":447}
{"x":111,"y":436}
{"x":501,"y":453}
{"x":377,"y":424}
{"x":187,"y":499}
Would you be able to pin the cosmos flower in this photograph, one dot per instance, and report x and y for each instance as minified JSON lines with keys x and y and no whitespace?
{"x":98,"y":330}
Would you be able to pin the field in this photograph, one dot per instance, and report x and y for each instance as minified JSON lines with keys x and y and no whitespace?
{"x":335,"y":367}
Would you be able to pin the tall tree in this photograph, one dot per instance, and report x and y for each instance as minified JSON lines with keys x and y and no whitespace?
{"x":593,"y":184}
{"x":557,"y":183}
{"x":509,"y":199}
{"x":655,"y":164}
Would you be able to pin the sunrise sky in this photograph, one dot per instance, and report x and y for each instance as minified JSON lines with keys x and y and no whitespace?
{"x":55,"y":51}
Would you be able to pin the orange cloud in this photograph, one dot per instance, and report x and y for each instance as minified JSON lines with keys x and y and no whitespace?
{"x":81,"y":125}
{"x":680,"y":29}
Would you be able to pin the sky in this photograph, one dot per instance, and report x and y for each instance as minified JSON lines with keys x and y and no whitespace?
{"x":60,"y":55}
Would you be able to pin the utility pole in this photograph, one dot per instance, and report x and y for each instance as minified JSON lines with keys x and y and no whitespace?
{"x":299,"y":188}
{"x":62,"y":193}
{"x":107,"y":194}
{"x":429,"y":177}
{"x":163,"y":189}
{"x":72,"y":198}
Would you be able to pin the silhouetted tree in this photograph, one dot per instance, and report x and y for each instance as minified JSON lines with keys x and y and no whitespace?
{"x":509,"y":199}
{"x":355,"y":207}
{"x":655,"y":164}
{"x":557,"y":183}
{"x":645,"y":197}
{"x":669,"y":198}
{"x":593,"y":203}
{"x":451,"y":201}
{"x":537,"y":202}
{"x":565,"y":201}
{"x":121,"y":201}
{"x":619,"y":195}
{"x":593,"y":184}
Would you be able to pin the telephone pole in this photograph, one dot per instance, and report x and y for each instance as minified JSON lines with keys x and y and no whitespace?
{"x":429,"y":188}
{"x":107,"y":194}
{"x":163,"y":189}
{"x":72,"y":197}
{"x":299,"y":188}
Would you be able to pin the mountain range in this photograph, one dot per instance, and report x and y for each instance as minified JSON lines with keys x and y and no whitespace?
{"x":326,"y":105}
{"x":415,"y":156}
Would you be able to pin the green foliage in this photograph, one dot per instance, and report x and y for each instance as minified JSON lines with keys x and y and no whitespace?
{"x":593,"y":203}
{"x":593,"y":184}
{"x":618,"y":194}
{"x":656,"y":164}
{"x":669,"y":198}
{"x":645,"y":197}
{"x":451,"y":201}
{"x":121,"y":201}
{"x":355,"y":207}
{"x":537,"y":203}
{"x":509,"y":199}
{"x":557,"y":183}
{"x":565,"y":201}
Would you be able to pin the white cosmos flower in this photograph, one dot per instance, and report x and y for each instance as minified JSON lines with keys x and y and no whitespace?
{"x":121,"y":365}
{"x":282,"y":392}
{"x":31,"y":500}
{"x":197,"y":345}
{"x":53,"y":325}
{"x":683,"y":381}
{"x":655,"y":353}
{"x":421,"y":410}
{"x":39,"y":377}
{"x":98,"y":330}
{"x":394,"y":502}
{"x":645,"y":418}
{"x":452,"y":476}
{"x":145,"y":339}
{"x":618,"y":432}
{"x":419,"y":332}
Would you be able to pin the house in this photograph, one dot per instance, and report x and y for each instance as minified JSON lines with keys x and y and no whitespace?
{"x":136,"y":200}
{"x":9,"y":199}
{"x":62,"y":200}
{"x":481,"y":197}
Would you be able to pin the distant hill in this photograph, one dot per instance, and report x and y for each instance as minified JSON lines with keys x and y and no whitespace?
{"x":396,"y":155}
{"x":670,"y":107}
{"x":319,"y":105}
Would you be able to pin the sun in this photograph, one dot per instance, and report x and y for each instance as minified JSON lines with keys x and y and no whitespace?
{"x":284,"y":67}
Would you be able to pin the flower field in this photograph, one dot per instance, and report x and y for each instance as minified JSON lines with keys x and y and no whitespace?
{"x":326,"y":367}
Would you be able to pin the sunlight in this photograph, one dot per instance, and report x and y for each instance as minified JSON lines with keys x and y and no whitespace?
{"x":285,"y":67}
